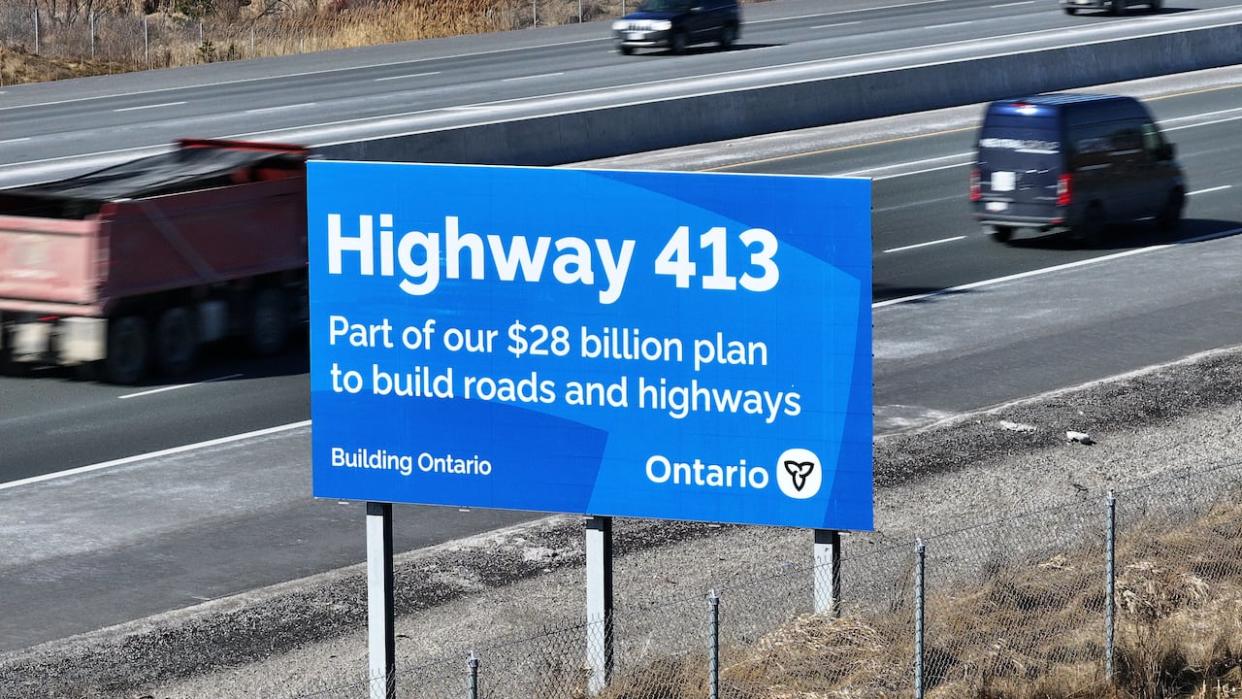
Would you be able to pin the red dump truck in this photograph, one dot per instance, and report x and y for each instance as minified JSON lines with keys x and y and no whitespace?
{"x":135,"y":266}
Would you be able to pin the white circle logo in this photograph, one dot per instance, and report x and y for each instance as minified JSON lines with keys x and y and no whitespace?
{"x":799,"y":474}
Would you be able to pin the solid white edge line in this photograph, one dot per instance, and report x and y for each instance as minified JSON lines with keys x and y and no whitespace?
{"x":950,"y":24}
{"x":14,"y":140}
{"x":897,"y":166}
{"x":1210,"y":189}
{"x":163,"y":389}
{"x":1049,"y":270}
{"x":282,"y":107}
{"x":923,"y":171}
{"x":153,"y":455}
{"x":149,"y":106}
{"x":531,"y":77}
{"x":406,"y":77}
{"x":1204,"y":123}
{"x":837,"y":24}
{"x":923,"y":245}
{"x":1013,"y":4}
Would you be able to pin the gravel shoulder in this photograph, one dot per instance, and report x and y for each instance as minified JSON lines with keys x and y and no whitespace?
{"x":308,"y":635}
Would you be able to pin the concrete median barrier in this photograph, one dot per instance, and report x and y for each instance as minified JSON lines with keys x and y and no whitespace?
{"x":572,"y":136}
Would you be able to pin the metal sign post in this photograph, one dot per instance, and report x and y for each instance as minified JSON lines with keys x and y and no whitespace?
{"x":828,"y":572}
{"x":381,"y":640}
{"x":599,"y":601}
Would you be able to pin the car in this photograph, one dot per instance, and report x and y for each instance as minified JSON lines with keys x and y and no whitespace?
{"x":676,"y":24}
{"x":1114,"y":7}
{"x":1073,"y":163}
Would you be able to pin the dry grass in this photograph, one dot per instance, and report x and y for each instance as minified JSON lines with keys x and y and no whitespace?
{"x":1035,"y":632}
{"x":19,"y":66}
{"x":270,"y":28}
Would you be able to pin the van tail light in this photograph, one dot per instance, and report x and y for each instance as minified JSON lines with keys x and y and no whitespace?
{"x":975,"y":192}
{"x":1065,"y":189}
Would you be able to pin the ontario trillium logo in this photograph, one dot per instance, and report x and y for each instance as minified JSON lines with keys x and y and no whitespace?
{"x":799,"y":473}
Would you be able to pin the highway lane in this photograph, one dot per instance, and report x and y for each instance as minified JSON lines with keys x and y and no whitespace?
{"x":925,"y":241}
{"x":45,"y":132}
{"x":145,"y":537}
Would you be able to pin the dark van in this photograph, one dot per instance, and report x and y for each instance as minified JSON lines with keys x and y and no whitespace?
{"x":1075,"y":163}
{"x":675,"y":24}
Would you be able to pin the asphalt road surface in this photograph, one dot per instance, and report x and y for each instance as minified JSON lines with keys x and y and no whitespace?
{"x":53,"y":129}
{"x":961,"y":323}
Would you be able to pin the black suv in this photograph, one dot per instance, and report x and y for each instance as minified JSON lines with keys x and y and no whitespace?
{"x":675,"y":24}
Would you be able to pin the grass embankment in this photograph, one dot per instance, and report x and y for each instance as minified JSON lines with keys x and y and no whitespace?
{"x":1035,"y":632}
{"x":19,"y":66}
{"x":270,"y":28}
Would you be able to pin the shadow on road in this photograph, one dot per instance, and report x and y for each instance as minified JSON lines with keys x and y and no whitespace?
{"x":700,"y":50}
{"x":1139,"y":235}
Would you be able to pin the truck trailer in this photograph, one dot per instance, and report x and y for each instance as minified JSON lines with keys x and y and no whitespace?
{"x":136,"y":266}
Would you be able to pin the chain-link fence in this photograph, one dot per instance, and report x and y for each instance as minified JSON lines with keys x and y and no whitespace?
{"x":116,"y":41}
{"x":1141,"y":590}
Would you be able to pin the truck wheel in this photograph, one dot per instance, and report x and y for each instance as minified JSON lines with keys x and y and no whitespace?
{"x":624,"y":50}
{"x":8,"y":367}
{"x":176,"y":341}
{"x":126,"y":362}
{"x":1071,"y":10}
{"x":269,"y":322}
{"x":728,"y":37}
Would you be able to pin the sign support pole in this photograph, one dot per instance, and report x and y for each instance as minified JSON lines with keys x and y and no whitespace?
{"x":599,"y":602}
{"x":828,"y":572}
{"x":381,"y":639}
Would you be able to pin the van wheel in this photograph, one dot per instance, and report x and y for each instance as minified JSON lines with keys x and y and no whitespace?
{"x":1071,"y":10}
{"x":128,"y":347}
{"x":1170,"y":217}
{"x":728,"y":37}
{"x":1090,"y":231}
{"x":269,"y":322}
{"x":176,"y":342}
{"x":1002,"y":234}
{"x":678,"y":43}
{"x":624,"y":50}
{"x":1117,"y":7}
{"x":1156,"y":5}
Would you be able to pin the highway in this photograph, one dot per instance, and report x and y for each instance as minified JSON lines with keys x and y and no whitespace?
{"x":961,"y":323}
{"x":51,"y":130}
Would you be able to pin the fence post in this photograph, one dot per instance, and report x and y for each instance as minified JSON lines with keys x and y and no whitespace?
{"x":534,"y":13}
{"x":146,"y":41}
{"x":920,"y":557}
{"x":579,"y":11}
{"x":1110,"y":573}
{"x":713,"y":645}
{"x":38,"y":44}
{"x":92,"y":28}
{"x":202,"y":36}
{"x":252,"y":41}
{"x":472,"y":684}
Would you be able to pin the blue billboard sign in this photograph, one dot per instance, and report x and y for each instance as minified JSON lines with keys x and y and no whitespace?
{"x":668,"y":345}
